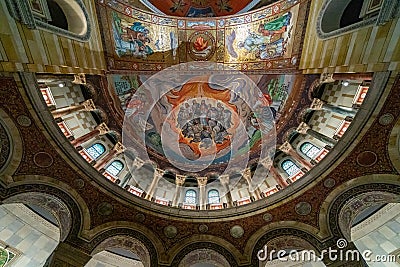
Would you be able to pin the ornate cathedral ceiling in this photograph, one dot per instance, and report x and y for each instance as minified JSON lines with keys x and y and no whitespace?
{"x":268,"y":39}
{"x":200,"y":8}
{"x":366,"y":156}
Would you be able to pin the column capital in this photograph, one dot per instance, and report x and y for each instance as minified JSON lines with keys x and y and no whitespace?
{"x":137,"y":163}
{"x":201,"y":181}
{"x":326,"y":78}
{"x":286,"y":147}
{"x":89,"y":105}
{"x":119,"y":148}
{"x":180,"y":179}
{"x":303,"y":128}
{"x":103,"y":128}
{"x":317,"y":104}
{"x":79,"y":78}
{"x":247,"y":174}
{"x":158,"y":172}
{"x":266,"y":162}
{"x":224,"y":179}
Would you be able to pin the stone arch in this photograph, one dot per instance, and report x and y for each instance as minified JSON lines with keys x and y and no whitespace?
{"x":350,"y":203}
{"x":198,"y":249}
{"x":204,"y":255}
{"x":394,"y":140}
{"x":128,"y":243}
{"x":79,"y":26}
{"x":60,"y":204}
{"x":286,"y":238}
{"x":328,"y":21}
{"x":50,"y":203}
{"x":10,"y":144}
{"x":128,"y":239}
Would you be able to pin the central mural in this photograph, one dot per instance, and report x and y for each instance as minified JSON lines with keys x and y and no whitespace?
{"x":264,"y":40}
{"x":200,"y":119}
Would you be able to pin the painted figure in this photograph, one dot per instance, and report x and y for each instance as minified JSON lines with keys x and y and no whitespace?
{"x":131,"y":41}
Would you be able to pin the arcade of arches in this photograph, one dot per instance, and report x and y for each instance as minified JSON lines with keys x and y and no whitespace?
{"x":199,"y":133}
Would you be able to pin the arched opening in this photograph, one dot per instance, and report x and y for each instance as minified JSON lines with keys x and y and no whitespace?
{"x":287,"y":251}
{"x":371,"y":221}
{"x":32,"y":225}
{"x":341,"y":16}
{"x":96,"y":150}
{"x":58,"y":18}
{"x":190,"y":197}
{"x":204,"y":258}
{"x":120,"y":251}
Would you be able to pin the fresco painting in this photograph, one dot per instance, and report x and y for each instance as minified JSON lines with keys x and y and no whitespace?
{"x":266,"y":39}
{"x":199,"y":8}
{"x":204,"y":117}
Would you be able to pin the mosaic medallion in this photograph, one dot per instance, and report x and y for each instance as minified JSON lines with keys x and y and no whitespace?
{"x":201,"y":46}
{"x":237,"y":231}
{"x":170,"y":231}
{"x":329,"y":183}
{"x":140,"y":217}
{"x":79,"y":183}
{"x":386,"y":119}
{"x":303,"y":208}
{"x":24,"y":120}
{"x":43,"y":159}
{"x":105,"y":209}
{"x":367,"y":158}
{"x":267,"y":217}
{"x":203,"y":228}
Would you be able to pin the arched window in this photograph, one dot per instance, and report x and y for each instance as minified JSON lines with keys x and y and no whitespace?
{"x":115,"y":167}
{"x":213,"y":196}
{"x":190,"y":197}
{"x":69,"y":18}
{"x":96,"y":150}
{"x":290,"y":167}
{"x":309,"y":150}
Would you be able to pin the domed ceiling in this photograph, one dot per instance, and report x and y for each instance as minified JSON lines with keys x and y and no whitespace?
{"x":203,"y":123}
{"x":200,"y":8}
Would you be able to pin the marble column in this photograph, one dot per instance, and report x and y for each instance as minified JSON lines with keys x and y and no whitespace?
{"x":255,"y":193}
{"x":158,"y":173}
{"x":224,"y":180}
{"x":269,"y":165}
{"x":288,"y":149}
{"x":67,"y":255}
{"x":303,"y":128}
{"x":179,"y":182}
{"x":201,"y":183}
{"x":318,"y":104}
{"x":117,"y":149}
{"x":126,"y":179}
{"x":87,"y":105}
{"x":100,"y":129}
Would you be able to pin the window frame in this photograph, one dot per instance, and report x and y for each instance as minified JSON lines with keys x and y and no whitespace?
{"x":194,"y":197}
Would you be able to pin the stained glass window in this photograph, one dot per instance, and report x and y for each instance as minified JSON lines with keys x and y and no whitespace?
{"x":115,"y":167}
{"x":96,"y":150}
{"x":309,"y":150}
{"x":190,"y":197}
{"x":213,"y":197}
{"x":290,"y":167}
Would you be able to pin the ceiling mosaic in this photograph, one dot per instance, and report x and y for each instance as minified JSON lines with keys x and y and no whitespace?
{"x":198,"y":123}
{"x":199,"y":8}
{"x":267,"y":40}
